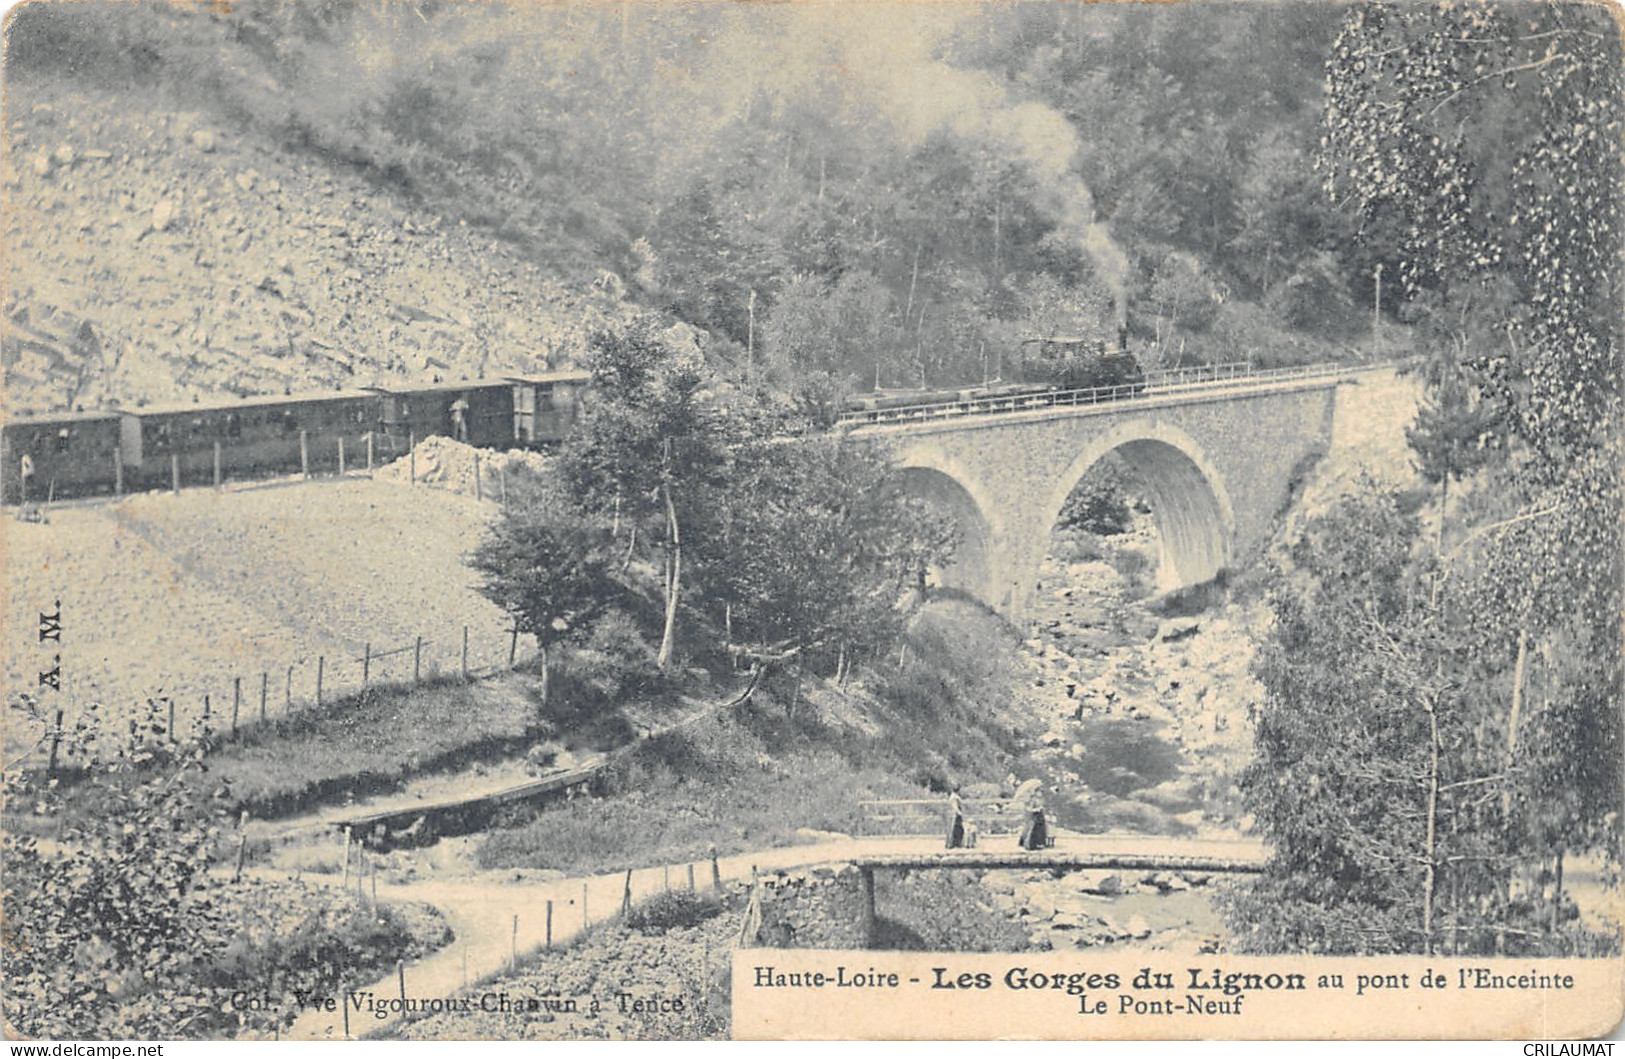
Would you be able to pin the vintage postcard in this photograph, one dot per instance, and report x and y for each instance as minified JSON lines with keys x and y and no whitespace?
{"x":1021,"y":519}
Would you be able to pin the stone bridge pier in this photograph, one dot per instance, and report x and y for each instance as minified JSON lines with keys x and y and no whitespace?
{"x":1217,"y":466}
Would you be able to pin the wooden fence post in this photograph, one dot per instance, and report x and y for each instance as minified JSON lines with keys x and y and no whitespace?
{"x":513,"y":645}
{"x":56,"y":744}
{"x":171,"y":728}
{"x":304,"y":454}
{"x":236,"y":701}
{"x":626,"y":895}
{"x":287,"y":693}
{"x":175,"y":472}
{"x":417,"y":660}
{"x":716,"y":870}
{"x":465,"y":652}
{"x":217,"y":465}
{"x":549,"y":937}
{"x":868,"y":932}
{"x":207,"y":707}
{"x":400,"y":972}
{"x":242,"y":845}
{"x":690,"y":876}
{"x":321,"y":667}
{"x":265,"y":687}
{"x":346,"y":883}
{"x":366,"y":666}
{"x":513,"y":947}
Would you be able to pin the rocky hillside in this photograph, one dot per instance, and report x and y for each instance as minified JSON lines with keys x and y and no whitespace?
{"x":156,"y":255}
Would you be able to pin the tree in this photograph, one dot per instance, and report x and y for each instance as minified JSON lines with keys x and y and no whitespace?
{"x":845,"y":329}
{"x":651,"y":452}
{"x":1340,"y":777}
{"x":548,"y":564}
{"x":825,"y":551}
{"x":1438,"y":131}
{"x":110,"y":928}
{"x":1456,"y":431}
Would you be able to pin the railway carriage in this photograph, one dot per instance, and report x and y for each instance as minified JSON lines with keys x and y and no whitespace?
{"x":254,"y":437}
{"x":478,"y":412}
{"x":150,"y":447}
{"x":546,"y":405}
{"x":73,"y":454}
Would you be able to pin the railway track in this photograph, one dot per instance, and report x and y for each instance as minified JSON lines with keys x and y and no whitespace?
{"x":1214,"y":377}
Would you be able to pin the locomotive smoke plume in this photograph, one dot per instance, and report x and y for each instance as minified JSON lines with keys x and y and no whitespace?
{"x":883,"y":61}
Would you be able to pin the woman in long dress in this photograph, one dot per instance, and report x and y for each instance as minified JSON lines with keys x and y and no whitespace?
{"x":956,"y":820}
{"x":1030,"y":796}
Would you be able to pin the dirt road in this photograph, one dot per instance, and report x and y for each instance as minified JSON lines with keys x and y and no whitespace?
{"x":495,"y":920}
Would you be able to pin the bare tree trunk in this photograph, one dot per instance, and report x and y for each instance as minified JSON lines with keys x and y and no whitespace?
{"x":997,"y":225}
{"x":750,"y":337}
{"x":542,"y":650}
{"x":1557,"y":896}
{"x":1431,"y":881}
{"x":913,"y":280}
{"x":1518,"y":669}
{"x":1444,"y":504}
{"x":673,"y":583}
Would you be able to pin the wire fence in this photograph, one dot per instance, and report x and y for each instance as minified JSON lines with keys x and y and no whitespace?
{"x":235,"y":463}
{"x":230,"y":704}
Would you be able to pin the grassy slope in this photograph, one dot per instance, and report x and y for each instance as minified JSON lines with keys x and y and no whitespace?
{"x":178,"y":595}
{"x":373,"y":745}
{"x":753,"y":777}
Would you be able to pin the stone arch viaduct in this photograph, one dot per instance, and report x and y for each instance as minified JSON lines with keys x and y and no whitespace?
{"x":1217,"y":464}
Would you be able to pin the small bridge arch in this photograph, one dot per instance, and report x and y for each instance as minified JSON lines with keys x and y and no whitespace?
{"x":930,"y":476}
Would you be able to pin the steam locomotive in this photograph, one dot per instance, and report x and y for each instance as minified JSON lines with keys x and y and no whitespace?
{"x":1048,"y":366}
{"x":90,"y":453}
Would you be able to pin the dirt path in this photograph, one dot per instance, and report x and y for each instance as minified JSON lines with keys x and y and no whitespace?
{"x":494,"y":920}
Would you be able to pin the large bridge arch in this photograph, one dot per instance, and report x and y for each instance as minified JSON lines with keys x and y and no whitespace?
{"x":1195,"y":520}
{"x":944,"y":484}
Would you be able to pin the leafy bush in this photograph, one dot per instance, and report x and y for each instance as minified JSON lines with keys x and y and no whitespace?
{"x":675,"y":908}
{"x":1139,"y":572}
{"x":615,"y":661}
{"x":1097,"y":506}
{"x":118,"y":929}
{"x":1076,"y":546}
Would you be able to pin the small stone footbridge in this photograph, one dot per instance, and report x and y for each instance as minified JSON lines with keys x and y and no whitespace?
{"x":1070,"y":852}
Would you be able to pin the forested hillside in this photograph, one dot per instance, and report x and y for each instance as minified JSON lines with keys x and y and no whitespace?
{"x":901,"y":198}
